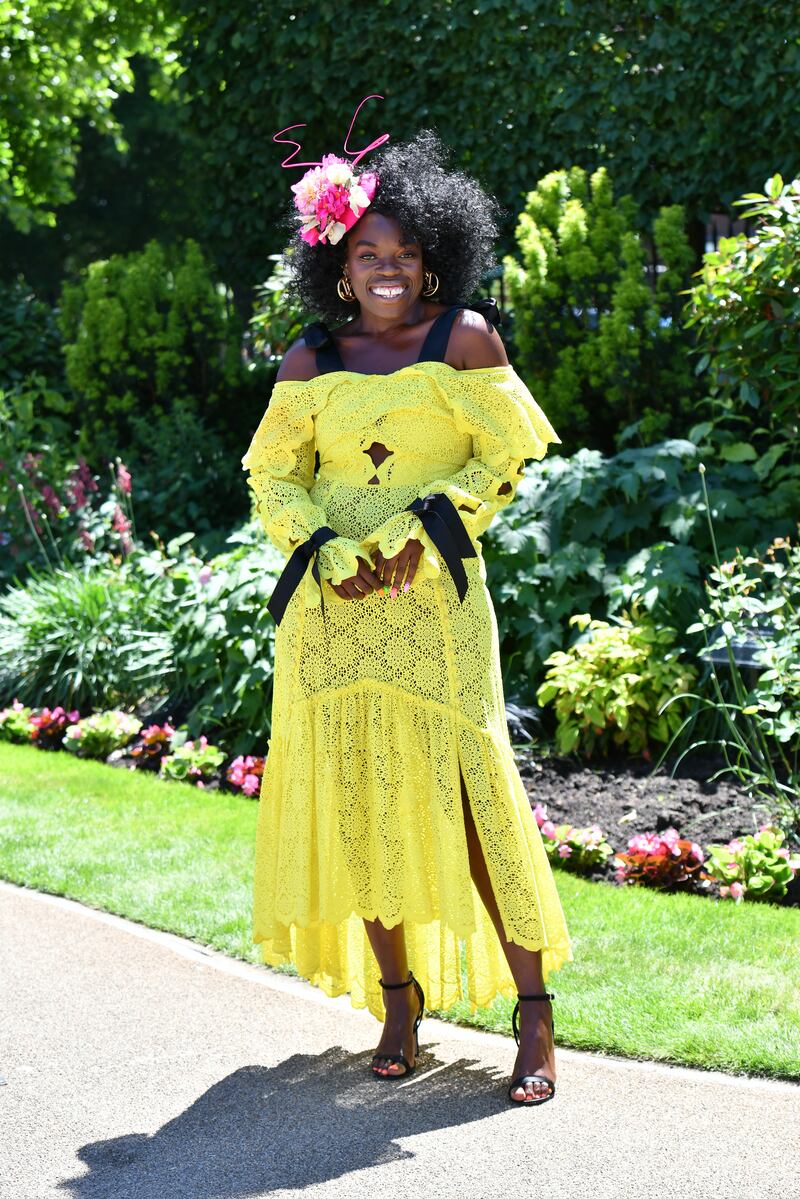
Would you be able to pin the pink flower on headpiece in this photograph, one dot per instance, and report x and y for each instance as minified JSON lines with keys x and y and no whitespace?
{"x":330,"y":198}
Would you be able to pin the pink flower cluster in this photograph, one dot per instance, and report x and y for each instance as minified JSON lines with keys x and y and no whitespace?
{"x":330,"y":199}
{"x":49,"y":722}
{"x":154,"y":733}
{"x":246,"y":772}
{"x":591,"y":837}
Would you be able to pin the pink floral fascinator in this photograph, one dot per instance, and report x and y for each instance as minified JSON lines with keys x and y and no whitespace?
{"x":331,"y":196}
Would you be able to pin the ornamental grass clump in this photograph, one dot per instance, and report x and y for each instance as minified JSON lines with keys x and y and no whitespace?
{"x":609,"y":687}
{"x":753,"y":867}
{"x":193,"y":762}
{"x":577,"y":849}
{"x":15,"y":723}
{"x":665,"y":861}
{"x":99,"y":735}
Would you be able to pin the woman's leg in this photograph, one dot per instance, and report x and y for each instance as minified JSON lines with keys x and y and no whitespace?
{"x":536,"y":1052}
{"x":402,"y":1005}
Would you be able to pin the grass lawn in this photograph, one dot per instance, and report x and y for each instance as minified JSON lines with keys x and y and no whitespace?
{"x":673,"y":978}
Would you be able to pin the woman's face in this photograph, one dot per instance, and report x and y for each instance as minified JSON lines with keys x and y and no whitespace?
{"x":384,"y":269}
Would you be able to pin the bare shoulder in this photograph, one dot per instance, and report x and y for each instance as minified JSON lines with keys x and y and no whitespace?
{"x":475,"y":343}
{"x":299,"y":363}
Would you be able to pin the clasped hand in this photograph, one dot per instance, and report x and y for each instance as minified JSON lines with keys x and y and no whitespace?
{"x":390,"y":572}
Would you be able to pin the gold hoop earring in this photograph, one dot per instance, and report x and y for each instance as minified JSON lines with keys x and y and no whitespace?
{"x":430,"y":289}
{"x":344,"y":290}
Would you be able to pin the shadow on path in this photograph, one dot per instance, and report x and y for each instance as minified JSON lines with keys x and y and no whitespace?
{"x":306,"y":1121}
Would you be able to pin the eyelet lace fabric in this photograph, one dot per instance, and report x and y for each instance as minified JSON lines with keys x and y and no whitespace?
{"x":381,"y":709}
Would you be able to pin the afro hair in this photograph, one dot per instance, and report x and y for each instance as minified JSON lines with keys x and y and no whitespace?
{"x":447,"y":211}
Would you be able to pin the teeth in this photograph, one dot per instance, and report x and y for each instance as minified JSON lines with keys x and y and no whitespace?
{"x":388,"y":291}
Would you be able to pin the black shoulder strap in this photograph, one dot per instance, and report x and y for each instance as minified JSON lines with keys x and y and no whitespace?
{"x":318,"y":337}
{"x":434,"y":347}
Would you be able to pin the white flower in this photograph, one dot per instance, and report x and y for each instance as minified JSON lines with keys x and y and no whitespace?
{"x":336,"y":231}
{"x":358,"y":198}
{"x":339,"y":173}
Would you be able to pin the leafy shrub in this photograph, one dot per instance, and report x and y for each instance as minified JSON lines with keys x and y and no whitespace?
{"x":753,"y":867}
{"x":753,"y":605}
{"x":97,"y":735}
{"x":30,"y":345}
{"x":745,"y":311}
{"x":610,"y":685}
{"x":600,"y":349}
{"x":97,"y":636}
{"x":15,"y":723}
{"x":665,"y":861}
{"x":225,"y":640}
{"x":150,"y":333}
{"x":596,"y":534}
{"x":195,"y":762}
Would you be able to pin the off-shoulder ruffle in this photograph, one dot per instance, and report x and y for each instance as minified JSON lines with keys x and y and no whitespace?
{"x":497,"y":407}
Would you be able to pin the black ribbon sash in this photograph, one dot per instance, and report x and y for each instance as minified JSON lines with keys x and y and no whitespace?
{"x":445,"y":528}
{"x":294,"y":570}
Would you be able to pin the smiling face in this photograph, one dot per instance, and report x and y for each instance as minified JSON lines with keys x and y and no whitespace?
{"x":385,"y":270}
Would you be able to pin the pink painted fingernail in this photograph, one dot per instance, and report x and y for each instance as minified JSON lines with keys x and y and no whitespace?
{"x":406,"y":586}
{"x":394,"y":593}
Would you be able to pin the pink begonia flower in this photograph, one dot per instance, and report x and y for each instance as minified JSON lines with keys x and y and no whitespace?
{"x":201,"y":784}
{"x":250,"y":784}
{"x":123,"y":479}
{"x":735,"y":845}
{"x":737,"y":891}
{"x":548,"y":829}
{"x":697,"y":853}
{"x":74,"y":732}
{"x":204,"y":574}
{"x":540,"y":814}
{"x":670,"y":837}
{"x":203,"y":741}
{"x":564,"y":851}
{"x":724,"y":892}
{"x":645,"y":843}
{"x":782,"y":853}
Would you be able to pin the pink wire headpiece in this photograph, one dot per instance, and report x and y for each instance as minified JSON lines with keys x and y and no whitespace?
{"x":330,"y":197}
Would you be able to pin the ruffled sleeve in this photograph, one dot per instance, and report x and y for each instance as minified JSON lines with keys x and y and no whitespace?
{"x":280,"y":464}
{"x":507,"y":426}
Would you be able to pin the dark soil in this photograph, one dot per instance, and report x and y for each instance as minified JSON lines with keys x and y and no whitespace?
{"x":624,"y":797}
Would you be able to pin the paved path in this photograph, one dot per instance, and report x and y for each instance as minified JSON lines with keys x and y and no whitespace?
{"x":139,"y":1066}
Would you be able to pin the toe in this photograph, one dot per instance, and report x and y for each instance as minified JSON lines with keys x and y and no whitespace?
{"x":519,"y":1094}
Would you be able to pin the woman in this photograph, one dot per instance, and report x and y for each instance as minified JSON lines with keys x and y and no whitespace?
{"x":394,"y":830}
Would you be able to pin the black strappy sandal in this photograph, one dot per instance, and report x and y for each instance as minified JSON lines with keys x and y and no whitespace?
{"x":400,"y":1058}
{"x":520,"y":1082}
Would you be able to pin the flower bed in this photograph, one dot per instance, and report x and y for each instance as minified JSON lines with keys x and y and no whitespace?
{"x":752,"y":867}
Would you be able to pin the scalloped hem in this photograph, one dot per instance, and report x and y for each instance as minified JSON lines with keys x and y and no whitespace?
{"x":361,"y":817}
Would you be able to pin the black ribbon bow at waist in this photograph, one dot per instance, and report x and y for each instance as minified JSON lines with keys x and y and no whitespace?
{"x":441,"y":522}
{"x":445,"y":528}
{"x":294,"y":570}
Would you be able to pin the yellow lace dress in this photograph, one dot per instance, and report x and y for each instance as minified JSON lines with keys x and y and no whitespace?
{"x":380,"y":704}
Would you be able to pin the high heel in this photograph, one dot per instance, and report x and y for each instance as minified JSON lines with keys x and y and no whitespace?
{"x":400,"y":1058}
{"x":524,"y":1078}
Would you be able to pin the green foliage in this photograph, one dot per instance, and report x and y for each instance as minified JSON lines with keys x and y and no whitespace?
{"x":15,"y":723}
{"x":225,"y":640}
{"x":192,"y":762}
{"x":752,"y":603}
{"x":30,"y":345}
{"x":277,"y":321}
{"x":141,"y":332}
{"x":580,"y":850}
{"x":96,"y":637}
{"x":580,"y":75}
{"x":746,"y":311}
{"x":600,"y":349}
{"x":610,"y":685}
{"x":98,"y":735}
{"x":62,"y":61}
{"x":594,"y":534}
{"x":758,"y":863}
